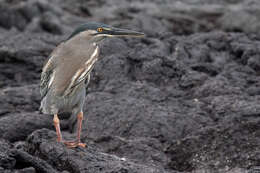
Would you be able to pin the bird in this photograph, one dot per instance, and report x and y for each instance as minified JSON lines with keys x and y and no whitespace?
{"x":66,"y":73}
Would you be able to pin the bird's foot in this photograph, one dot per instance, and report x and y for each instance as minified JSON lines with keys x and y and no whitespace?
{"x":74,"y":144}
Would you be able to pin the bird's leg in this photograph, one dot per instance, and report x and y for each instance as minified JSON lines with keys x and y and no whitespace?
{"x":80,"y":119}
{"x":77,"y":143}
{"x":56,"y":122}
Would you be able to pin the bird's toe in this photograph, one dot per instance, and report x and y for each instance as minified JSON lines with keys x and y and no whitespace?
{"x":74,"y":144}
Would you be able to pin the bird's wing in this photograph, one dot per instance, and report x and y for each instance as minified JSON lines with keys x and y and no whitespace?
{"x":47,"y":77}
{"x":47,"y":74}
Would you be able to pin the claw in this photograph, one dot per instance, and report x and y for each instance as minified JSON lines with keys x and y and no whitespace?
{"x":74,"y":144}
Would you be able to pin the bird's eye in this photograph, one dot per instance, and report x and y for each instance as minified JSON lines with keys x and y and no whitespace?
{"x":100,"y":29}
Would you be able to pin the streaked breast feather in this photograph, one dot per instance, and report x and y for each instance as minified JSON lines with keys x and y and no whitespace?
{"x":93,"y":56}
{"x":82,"y":73}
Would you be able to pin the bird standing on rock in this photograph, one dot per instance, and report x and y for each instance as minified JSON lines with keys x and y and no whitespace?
{"x":67,"y":73}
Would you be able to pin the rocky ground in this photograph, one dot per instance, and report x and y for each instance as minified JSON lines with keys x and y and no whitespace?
{"x":186,"y":98}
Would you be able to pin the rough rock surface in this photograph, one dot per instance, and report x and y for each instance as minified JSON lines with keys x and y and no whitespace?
{"x":186,"y":98}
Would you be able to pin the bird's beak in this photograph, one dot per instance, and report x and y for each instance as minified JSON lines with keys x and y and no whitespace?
{"x":116,"y":32}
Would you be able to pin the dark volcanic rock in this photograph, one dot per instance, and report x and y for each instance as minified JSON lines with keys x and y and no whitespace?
{"x":7,"y":161}
{"x":27,"y":99}
{"x":42,"y":144}
{"x":14,"y":127}
{"x":22,"y":56}
{"x":178,"y":99}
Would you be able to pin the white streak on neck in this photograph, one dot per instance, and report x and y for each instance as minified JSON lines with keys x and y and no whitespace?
{"x":82,"y":72}
{"x":90,"y":63}
{"x":92,"y":56}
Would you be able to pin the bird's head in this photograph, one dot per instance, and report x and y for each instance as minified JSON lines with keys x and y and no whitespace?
{"x":99,"y":31}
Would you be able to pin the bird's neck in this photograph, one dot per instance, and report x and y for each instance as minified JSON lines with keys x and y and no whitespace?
{"x":80,"y":42}
{"x":85,"y":38}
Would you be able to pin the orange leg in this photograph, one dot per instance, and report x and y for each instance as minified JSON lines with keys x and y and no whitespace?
{"x":57,"y":127}
{"x":77,"y":143}
{"x":80,"y":119}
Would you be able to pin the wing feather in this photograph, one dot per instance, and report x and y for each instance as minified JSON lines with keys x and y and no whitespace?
{"x":47,"y":77}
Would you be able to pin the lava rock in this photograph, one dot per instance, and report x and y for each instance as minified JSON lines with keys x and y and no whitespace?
{"x":42,"y":144}
{"x":7,"y":161}
{"x":183,"y":98}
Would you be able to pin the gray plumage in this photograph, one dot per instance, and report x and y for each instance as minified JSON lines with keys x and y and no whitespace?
{"x":63,"y":77}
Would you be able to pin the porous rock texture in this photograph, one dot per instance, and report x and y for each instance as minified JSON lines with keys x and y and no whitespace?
{"x":185,"y":98}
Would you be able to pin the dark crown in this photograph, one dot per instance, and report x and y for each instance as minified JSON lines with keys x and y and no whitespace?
{"x":87,"y":26}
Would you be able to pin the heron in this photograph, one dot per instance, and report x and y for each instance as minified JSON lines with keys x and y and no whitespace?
{"x":66,"y":73}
